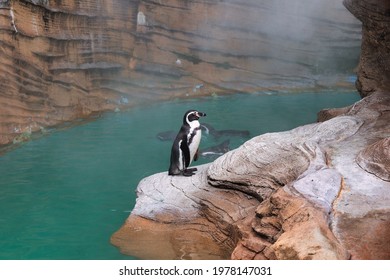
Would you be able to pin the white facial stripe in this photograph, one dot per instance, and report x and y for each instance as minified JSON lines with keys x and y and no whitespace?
{"x":190,"y":113}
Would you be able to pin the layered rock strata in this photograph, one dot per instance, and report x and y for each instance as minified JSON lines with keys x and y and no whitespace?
{"x":64,"y":60}
{"x":298,"y":194}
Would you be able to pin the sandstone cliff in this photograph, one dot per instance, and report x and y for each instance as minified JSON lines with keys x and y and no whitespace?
{"x":319,"y":191}
{"x":62,"y":60}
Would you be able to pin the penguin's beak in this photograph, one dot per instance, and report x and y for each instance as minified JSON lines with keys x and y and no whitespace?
{"x":200,"y":114}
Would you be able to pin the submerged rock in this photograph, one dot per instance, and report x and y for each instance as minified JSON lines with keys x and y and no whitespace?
{"x":259,"y":200}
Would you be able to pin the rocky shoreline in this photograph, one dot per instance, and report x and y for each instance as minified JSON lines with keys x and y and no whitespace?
{"x":298,"y":194}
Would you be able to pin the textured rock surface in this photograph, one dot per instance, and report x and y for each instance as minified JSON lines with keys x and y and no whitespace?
{"x":298,"y":194}
{"x":376,"y":159}
{"x":374,"y":66}
{"x":62,"y":60}
{"x":183,"y":218}
{"x":255,"y":169}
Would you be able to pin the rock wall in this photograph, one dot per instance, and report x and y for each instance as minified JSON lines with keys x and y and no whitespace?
{"x":374,"y":66}
{"x":63,"y":60}
{"x":246,"y":45}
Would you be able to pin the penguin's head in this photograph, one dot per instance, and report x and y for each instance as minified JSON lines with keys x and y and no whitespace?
{"x":192,"y":115}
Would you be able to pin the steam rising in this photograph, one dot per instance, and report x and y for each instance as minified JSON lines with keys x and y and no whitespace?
{"x":253,"y":43}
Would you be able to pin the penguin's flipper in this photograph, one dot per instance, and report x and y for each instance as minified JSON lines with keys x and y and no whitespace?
{"x":186,"y":152}
{"x":196,"y":155}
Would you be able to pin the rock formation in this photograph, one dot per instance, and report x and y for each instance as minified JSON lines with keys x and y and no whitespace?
{"x":298,"y":194}
{"x":64,"y":60}
{"x":374,"y":66}
{"x":61,"y":60}
{"x":316,"y":192}
{"x":320,"y":191}
{"x":375,"y":159}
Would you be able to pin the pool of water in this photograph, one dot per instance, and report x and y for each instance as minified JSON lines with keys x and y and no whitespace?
{"x":63,"y":195}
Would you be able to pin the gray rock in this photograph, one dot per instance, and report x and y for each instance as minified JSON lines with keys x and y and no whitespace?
{"x":270,"y":161}
{"x":375,"y":159}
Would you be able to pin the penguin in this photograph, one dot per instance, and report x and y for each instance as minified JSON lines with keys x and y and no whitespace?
{"x":186,"y":144}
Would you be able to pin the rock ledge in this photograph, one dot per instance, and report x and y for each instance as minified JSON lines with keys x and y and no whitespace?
{"x":307,"y":193}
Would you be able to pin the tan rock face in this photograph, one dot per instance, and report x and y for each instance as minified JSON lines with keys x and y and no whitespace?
{"x":288,"y":227}
{"x":374,"y":70}
{"x":63,"y":60}
{"x":306,"y":234}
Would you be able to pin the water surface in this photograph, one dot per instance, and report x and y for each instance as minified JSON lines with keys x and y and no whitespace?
{"x":63,"y":195}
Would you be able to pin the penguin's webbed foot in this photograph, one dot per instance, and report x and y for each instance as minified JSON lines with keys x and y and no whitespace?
{"x":189,"y":172}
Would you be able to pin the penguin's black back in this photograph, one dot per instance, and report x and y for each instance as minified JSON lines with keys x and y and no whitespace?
{"x":180,"y":153}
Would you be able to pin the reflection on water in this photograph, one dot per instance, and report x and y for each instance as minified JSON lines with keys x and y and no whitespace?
{"x":172,"y":241}
{"x":63,"y":195}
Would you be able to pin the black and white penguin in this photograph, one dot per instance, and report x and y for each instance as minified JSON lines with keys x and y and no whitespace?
{"x":186,"y":144}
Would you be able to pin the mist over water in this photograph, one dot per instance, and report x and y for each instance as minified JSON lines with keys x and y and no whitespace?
{"x":293,"y":39}
{"x":63,"y":195}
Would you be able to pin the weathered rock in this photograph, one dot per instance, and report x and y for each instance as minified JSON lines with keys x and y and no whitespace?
{"x":185,"y":217}
{"x":363,"y":195}
{"x":376,"y":159}
{"x":264,"y":196}
{"x":62,"y":60}
{"x":367,"y":236}
{"x":374,"y":69}
{"x":267,"y":162}
{"x":306,"y":234}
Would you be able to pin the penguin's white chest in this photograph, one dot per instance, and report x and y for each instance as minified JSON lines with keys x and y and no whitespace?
{"x":194,"y":136}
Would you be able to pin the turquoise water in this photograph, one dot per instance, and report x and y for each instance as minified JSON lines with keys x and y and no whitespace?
{"x":63,"y":195}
